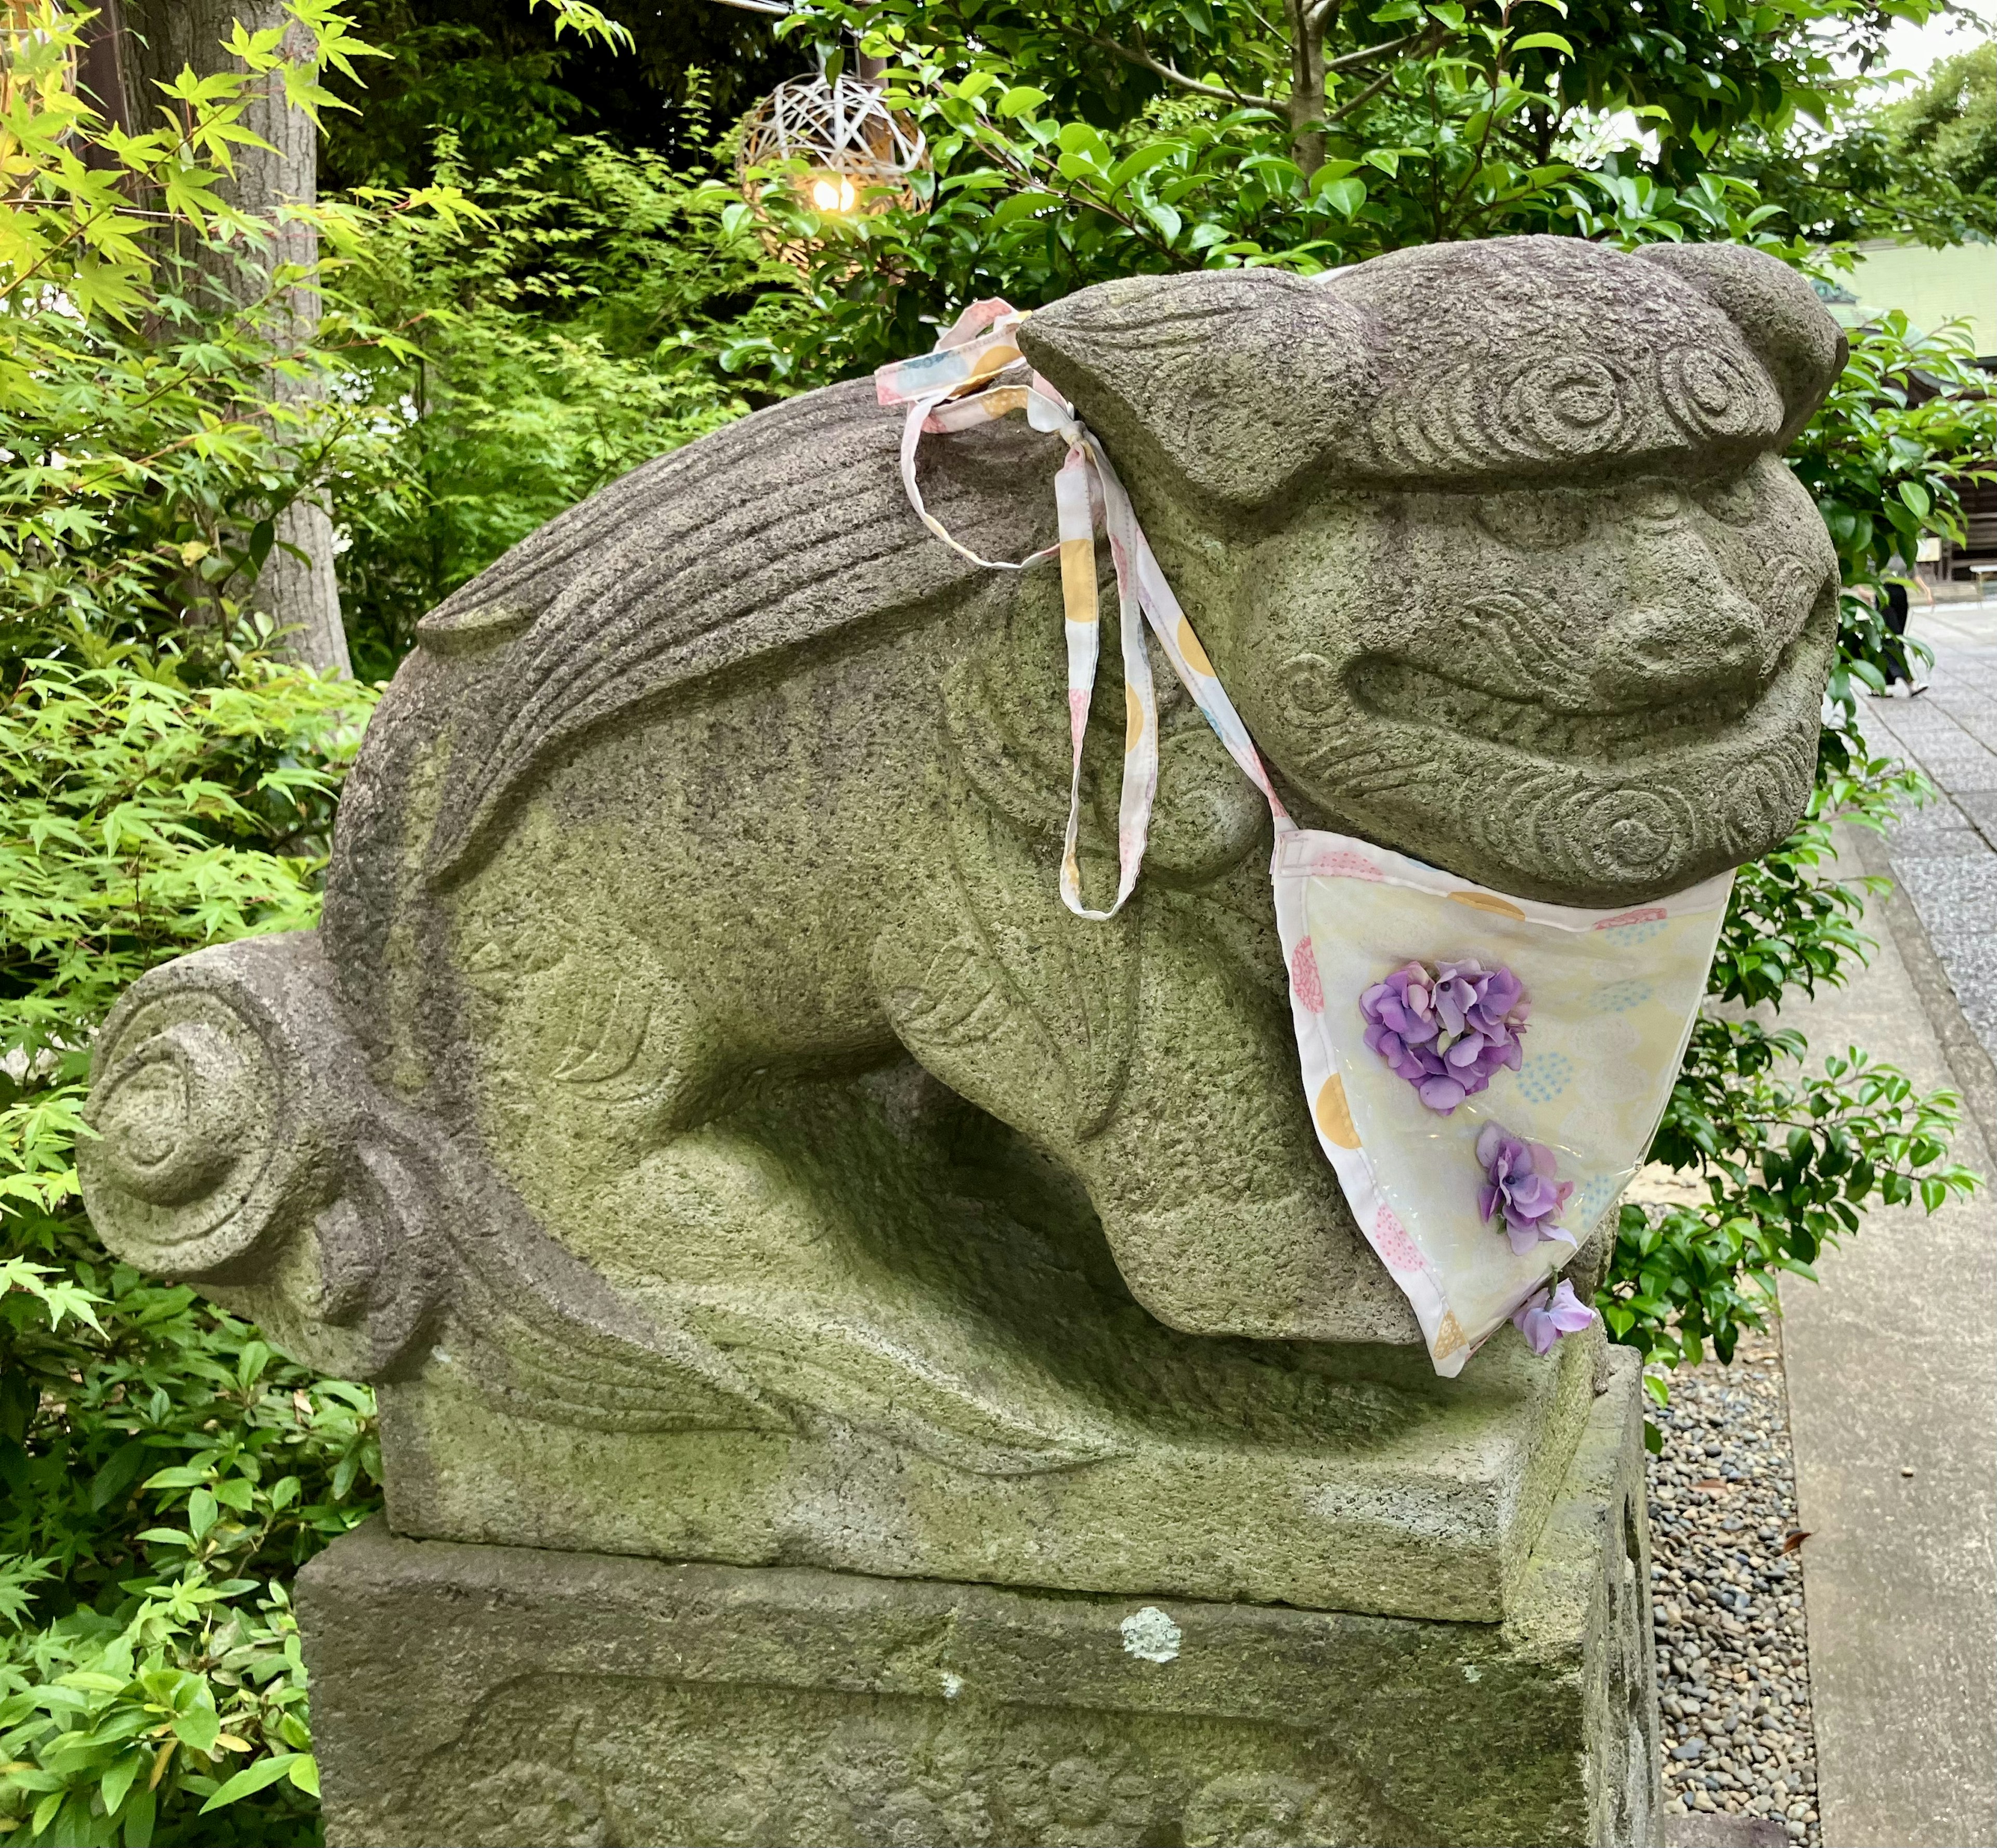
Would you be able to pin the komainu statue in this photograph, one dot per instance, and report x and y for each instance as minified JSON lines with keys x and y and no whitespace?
{"x":697,"y":1110}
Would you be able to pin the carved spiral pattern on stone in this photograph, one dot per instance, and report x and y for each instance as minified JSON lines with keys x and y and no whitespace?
{"x":1587,"y":833}
{"x":1575,"y":405}
{"x":1569,"y":408}
{"x":1713,"y":395}
{"x":1765,"y":797}
{"x":1790,"y":588}
{"x":1311,"y":686}
{"x":196,"y":1153}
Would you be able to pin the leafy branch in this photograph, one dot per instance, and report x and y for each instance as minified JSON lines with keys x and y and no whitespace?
{"x":1789,"y":1165}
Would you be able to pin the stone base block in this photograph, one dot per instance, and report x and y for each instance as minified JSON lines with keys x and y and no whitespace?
{"x":474,"y":1697}
{"x":1399,"y":1493}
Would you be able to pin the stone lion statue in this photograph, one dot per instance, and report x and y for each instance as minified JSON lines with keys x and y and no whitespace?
{"x":695,"y":1036}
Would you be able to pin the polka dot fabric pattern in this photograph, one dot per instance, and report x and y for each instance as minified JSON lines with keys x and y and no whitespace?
{"x":1627,"y":936}
{"x":1544,"y":1076}
{"x":1620,"y":997}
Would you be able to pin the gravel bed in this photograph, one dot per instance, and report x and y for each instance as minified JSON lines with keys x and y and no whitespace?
{"x":1733,"y":1668}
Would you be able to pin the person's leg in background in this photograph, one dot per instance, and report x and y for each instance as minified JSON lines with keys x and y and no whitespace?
{"x":1899,"y":670}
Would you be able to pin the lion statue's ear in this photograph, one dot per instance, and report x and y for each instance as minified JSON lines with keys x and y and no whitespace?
{"x":1779,"y":316}
{"x":1228,"y":383}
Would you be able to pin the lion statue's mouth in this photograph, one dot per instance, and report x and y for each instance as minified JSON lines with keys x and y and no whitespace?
{"x":1384,"y":687}
{"x":1573,"y":803}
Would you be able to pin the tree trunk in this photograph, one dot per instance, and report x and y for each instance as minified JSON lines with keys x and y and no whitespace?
{"x":300,"y":593}
{"x":101,"y":77}
{"x":1307,"y":93}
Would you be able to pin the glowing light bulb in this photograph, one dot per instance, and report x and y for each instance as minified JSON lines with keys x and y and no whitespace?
{"x":825,"y":195}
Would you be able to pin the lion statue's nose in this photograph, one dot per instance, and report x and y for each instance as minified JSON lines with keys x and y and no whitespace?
{"x":1711,"y":641}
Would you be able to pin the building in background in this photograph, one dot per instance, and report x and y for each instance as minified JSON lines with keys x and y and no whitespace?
{"x":1930,"y":287}
{"x":1933,"y":288}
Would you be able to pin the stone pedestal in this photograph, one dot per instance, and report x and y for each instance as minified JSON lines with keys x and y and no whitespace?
{"x":1334,"y":1478}
{"x":480,"y":1696}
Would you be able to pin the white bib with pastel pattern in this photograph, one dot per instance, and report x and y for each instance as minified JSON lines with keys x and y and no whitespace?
{"x":1614,"y":997}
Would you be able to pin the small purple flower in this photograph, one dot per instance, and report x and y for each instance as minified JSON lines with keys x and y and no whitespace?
{"x":1546,"y":1315}
{"x":1520,"y":1184}
{"x":1447,"y":1029}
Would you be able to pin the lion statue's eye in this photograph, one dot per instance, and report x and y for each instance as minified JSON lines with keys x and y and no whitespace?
{"x":1533,"y":520}
{"x":1734,"y":501}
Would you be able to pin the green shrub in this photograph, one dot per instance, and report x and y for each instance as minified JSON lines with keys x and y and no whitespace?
{"x":164,"y":784}
{"x":1909,"y":424}
{"x":171,"y":1478}
{"x":162,"y":1473}
{"x":1788,"y":1159}
{"x":562,"y":323}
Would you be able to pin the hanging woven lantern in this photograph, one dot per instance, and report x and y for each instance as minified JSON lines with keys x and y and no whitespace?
{"x":857,"y":154}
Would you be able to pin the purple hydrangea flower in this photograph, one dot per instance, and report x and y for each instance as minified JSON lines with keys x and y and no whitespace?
{"x":1546,"y":1315}
{"x":1447,"y":1029}
{"x":1520,"y":1184}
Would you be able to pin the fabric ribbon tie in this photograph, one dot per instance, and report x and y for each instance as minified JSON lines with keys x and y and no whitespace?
{"x":976,"y":373}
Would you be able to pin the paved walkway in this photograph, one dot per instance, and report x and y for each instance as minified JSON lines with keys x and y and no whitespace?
{"x":1892,"y":1361}
{"x":1945,"y":857}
